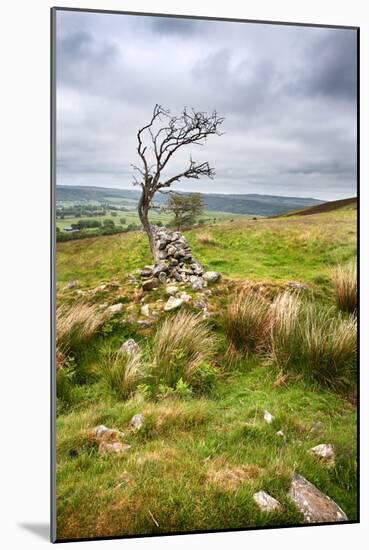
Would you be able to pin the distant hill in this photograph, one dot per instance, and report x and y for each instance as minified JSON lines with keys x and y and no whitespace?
{"x":325,"y":207}
{"x":252,"y":204}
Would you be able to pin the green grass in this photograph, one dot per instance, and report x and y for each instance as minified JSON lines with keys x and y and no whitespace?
{"x":167,"y":471}
{"x":177,"y":472}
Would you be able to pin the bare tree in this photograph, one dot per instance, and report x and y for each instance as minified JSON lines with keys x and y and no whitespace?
{"x":174,"y":132}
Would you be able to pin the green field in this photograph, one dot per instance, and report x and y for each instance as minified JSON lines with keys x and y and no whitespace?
{"x":132,"y":217}
{"x":199,"y":458}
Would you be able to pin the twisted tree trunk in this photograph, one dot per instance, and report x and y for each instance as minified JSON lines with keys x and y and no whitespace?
{"x":143,"y":212}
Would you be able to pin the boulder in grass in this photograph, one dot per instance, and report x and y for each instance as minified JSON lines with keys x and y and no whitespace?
{"x":130,"y":347}
{"x":102,"y":433}
{"x":325,"y":453}
{"x":173,"y":303}
{"x":315,"y":506}
{"x":115,"y":308}
{"x":137,"y":421}
{"x":211,"y":276}
{"x":171,"y":290}
{"x":266,"y":503}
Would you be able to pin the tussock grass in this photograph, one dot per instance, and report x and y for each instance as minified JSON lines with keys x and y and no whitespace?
{"x":344,"y":278}
{"x":317,"y":343}
{"x":77,"y":324}
{"x":284,"y":311}
{"x":246,"y":322}
{"x":181,"y":345}
{"x":121,"y":371}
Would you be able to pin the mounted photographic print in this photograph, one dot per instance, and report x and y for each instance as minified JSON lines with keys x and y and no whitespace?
{"x":204,"y":242}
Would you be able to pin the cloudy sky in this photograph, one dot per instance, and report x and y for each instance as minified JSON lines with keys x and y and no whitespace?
{"x":288,"y":95}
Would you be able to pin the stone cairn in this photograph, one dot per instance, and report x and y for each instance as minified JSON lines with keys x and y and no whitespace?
{"x":175,"y":262}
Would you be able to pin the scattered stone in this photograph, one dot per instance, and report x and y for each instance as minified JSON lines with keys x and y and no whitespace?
{"x":130,"y":347}
{"x":197,"y":284}
{"x":162,"y":277}
{"x":280,"y":433}
{"x":150,"y":284}
{"x":171,"y":290}
{"x":145,"y":310}
{"x":185,"y":297}
{"x":315,"y":506}
{"x":113,"y":448}
{"x":324,"y":452}
{"x":73,"y":284}
{"x":115,"y":308}
{"x":160,"y":268}
{"x":131,"y":279}
{"x":146,"y":272}
{"x":173,"y":303}
{"x":211,"y":276}
{"x":268,"y":417}
{"x":266,"y":502}
{"x":102,"y":433}
{"x":145,"y":323}
{"x":137,"y":421}
{"x":199,"y":304}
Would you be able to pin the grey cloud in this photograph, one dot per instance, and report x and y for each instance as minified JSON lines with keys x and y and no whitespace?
{"x":174,"y":26}
{"x":331,"y":67}
{"x":286,"y":94}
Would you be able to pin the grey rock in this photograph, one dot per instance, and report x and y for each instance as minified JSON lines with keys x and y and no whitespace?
{"x":103,"y":433}
{"x":171,"y":250}
{"x":145,"y":323}
{"x":115,"y":308}
{"x":199,"y":304}
{"x":325,"y":453}
{"x":268,"y":417}
{"x":146,"y":272}
{"x":265,"y":502}
{"x":171,"y":290}
{"x":315,"y":506}
{"x":150,"y":284}
{"x":145,"y":310}
{"x":162,"y":267}
{"x":211,"y":276}
{"x":162,"y":277}
{"x":137,"y":421}
{"x":185,"y":297}
{"x":130,"y":346}
{"x":198,"y":284}
{"x":173,"y":303}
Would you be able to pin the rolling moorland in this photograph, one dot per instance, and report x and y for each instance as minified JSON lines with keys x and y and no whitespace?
{"x":251,"y":204}
{"x":205,"y":443}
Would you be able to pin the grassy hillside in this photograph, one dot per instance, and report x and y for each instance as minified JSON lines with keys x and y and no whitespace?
{"x":350,"y":203}
{"x":203,"y":450}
